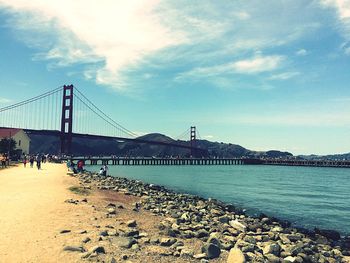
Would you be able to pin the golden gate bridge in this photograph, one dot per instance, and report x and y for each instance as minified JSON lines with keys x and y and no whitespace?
{"x":66,"y":112}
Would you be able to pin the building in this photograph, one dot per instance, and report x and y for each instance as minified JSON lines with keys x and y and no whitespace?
{"x":21,"y":138}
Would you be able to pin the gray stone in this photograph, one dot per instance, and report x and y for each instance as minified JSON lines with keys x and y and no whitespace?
{"x":85,"y":240}
{"x":124,"y":242}
{"x":74,"y":249}
{"x":273,"y":249}
{"x":201,"y":233}
{"x":237,"y":225}
{"x":98,"y":250}
{"x":131,"y":223}
{"x":211,"y":250}
{"x":272,"y":258}
{"x":167,"y":242}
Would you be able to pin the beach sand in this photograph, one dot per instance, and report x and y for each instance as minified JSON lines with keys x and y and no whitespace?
{"x":33,"y":211}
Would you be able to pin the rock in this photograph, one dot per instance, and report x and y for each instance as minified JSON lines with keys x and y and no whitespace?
{"x":124,"y":242}
{"x":131,"y":223}
{"x":98,"y":250}
{"x":214,"y":240}
{"x":167,"y":242}
{"x":65,"y":231}
{"x":74,"y":249}
{"x":273,"y":249}
{"x":290,"y":259}
{"x":200,"y":256}
{"x":131,"y":233}
{"x":186,"y":253}
{"x":237,"y":225}
{"x":211,"y":250}
{"x":111,"y":210}
{"x":330,"y":234}
{"x":85,"y":240}
{"x":235,"y":256}
{"x":104,"y":233}
{"x":201,"y":233}
{"x":272,"y":258}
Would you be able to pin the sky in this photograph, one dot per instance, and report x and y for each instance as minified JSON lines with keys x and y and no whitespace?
{"x":264,"y":75}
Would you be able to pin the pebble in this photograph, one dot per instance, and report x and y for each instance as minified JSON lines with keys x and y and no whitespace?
{"x":235,"y":256}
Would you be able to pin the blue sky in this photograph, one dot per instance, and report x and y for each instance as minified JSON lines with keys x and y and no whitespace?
{"x":265,"y":75}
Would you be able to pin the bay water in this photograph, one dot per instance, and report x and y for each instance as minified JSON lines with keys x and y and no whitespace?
{"x":306,"y":196}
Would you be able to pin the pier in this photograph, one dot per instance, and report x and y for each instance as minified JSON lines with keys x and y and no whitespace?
{"x":132,"y":161}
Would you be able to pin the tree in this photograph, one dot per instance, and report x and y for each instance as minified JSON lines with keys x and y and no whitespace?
{"x":7,"y":145}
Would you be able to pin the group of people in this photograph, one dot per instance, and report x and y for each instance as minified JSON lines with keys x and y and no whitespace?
{"x":80,"y":166}
{"x":39,"y":159}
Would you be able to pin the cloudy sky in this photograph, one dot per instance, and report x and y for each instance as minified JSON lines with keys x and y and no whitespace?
{"x":265,"y":75}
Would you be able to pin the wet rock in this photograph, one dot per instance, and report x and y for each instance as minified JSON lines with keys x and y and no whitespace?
{"x":235,"y":256}
{"x":330,"y":234}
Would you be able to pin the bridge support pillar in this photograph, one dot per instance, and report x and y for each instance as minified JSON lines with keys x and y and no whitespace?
{"x":67,"y":120}
{"x":193,"y":140}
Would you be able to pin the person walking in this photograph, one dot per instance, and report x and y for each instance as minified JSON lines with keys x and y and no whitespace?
{"x":38,"y":161}
{"x":24,"y":161}
{"x":31,"y":161}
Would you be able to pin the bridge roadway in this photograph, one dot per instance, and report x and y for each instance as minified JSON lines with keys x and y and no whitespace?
{"x":208,"y":161}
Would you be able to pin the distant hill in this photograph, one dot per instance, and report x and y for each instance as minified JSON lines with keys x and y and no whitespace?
{"x":344,"y":156}
{"x":87,"y":146}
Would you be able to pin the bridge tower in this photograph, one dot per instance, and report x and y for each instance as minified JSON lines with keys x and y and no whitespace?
{"x":67,"y":119}
{"x":193,"y":140}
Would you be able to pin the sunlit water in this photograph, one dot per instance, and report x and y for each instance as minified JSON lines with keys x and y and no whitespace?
{"x":306,"y":196}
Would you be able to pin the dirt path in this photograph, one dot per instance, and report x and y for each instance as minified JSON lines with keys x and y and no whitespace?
{"x":32,"y":213}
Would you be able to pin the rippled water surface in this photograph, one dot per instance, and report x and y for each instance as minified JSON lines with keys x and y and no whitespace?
{"x":306,"y":196}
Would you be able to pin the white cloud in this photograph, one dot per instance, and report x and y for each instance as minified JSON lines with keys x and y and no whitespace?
{"x":258,"y":64}
{"x":4,"y":100}
{"x":253,"y":65}
{"x":342,"y":8}
{"x":284,"y":76}
{"x":115,"y":34}
{"x":301,"y":52}
{"x":111,"y":37}
{"x":208,"y":137}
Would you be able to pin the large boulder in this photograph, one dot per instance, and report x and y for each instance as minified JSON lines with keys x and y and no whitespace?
{"x":235,"y":256}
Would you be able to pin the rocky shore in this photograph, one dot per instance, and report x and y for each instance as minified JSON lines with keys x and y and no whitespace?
{"x":193,"y":229}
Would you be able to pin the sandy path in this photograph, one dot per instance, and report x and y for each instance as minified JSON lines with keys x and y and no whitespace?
{"x":32,"y":212}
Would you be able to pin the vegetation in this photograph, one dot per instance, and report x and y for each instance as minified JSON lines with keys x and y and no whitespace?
{"x":79,"y":190}
{"x":8,"y":146}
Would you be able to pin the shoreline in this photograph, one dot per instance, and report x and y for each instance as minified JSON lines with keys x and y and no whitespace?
{"x":215,"y":223}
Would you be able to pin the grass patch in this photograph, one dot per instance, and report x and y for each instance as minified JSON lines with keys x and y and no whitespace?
{"x":79,"y":190}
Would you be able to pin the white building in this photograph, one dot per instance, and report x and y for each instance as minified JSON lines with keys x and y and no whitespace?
{"x":21,"y":138}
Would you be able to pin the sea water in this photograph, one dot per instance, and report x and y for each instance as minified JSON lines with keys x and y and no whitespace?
{"x":306,"y":196}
